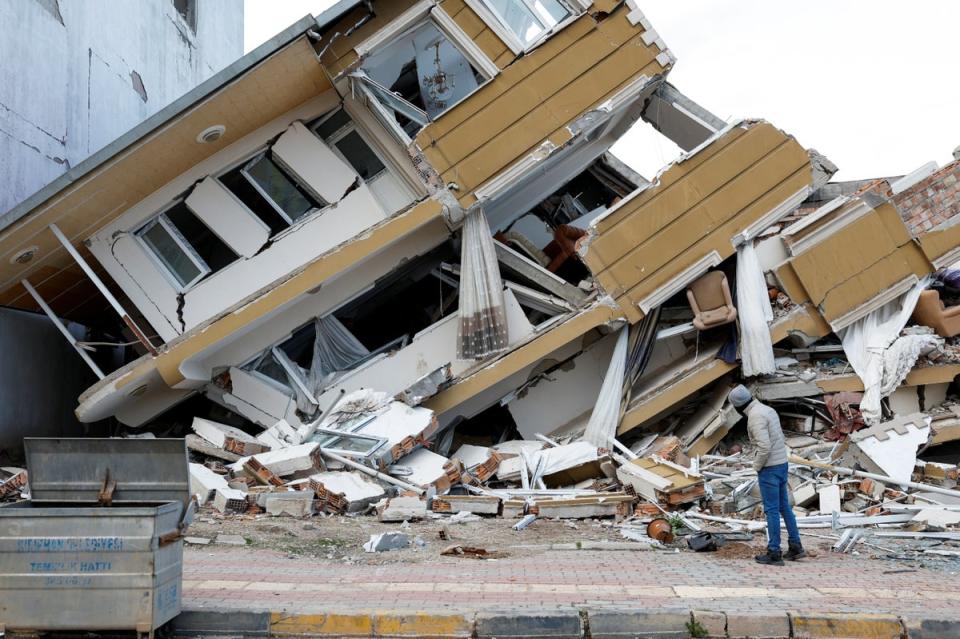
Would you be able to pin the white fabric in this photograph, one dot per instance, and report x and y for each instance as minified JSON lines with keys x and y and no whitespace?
{"x":606,"y":411}
{"x":334,"y":349}
{"x":482,"y":330}
{"x":755,"y":313}
{"x":866,"y":340}
{"x":898,"y":360}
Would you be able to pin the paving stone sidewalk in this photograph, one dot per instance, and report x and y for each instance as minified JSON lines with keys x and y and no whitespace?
{"x":228,"y":578}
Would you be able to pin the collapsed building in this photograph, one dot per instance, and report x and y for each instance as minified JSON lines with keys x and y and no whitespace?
{"x":396,"y":230}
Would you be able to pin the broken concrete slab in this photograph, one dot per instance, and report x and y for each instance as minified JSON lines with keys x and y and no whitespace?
{"x":230,"y":540}
{"x":285,"y":461}
{"x":230,"y":500}
{"x":227,"y":438}
{"x":345,"y":492}
{"x":294,"y":503}
{"x":478,"y":504}
{"x":204,"y":482}
{"x":400,"y":509}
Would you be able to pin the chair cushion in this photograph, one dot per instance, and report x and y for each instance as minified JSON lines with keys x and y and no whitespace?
{"x":708,"y":291}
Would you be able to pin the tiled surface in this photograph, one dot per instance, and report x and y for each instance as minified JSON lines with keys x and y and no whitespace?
{"x":250,"y":579}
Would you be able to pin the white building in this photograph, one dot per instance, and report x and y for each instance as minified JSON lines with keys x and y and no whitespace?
{"x":77,"y":75}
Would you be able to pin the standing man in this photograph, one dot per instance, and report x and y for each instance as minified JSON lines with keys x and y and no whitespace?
{"x":763,"y":426}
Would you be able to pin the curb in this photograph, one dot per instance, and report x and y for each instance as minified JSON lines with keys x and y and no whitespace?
{"x":601,"y":623}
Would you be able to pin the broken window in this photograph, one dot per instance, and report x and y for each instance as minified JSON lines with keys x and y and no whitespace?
{"x":343,"y":136}
{"x":529,"y":20}
{"x":188,"y":11}
{"x":185,"y":246}
{"x":418,"y":76}
{"x":270,"y":193}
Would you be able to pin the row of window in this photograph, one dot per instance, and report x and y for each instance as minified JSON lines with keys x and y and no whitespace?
{"x":412,"y":79}
{"x":189,"y":251}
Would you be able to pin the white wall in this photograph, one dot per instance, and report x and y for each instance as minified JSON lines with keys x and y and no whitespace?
{"x":67,"y":83}
{"x":128,"y":262}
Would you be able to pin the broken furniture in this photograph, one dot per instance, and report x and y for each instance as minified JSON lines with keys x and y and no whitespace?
{"x":711,"y":302}
{"x":98,"y":545}
{"x":931,"y":312}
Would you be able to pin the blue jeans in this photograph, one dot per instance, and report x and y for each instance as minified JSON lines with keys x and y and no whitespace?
{"x":776,"y":503}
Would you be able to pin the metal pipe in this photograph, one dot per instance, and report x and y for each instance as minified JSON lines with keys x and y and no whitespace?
{"x":82,"y":263}
{"x":63,"y":329}
{"x":373,"y":473}
{"x":800,"y":461}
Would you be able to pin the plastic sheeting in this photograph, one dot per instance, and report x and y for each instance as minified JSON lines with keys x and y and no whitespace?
{"x":482,"y":330}
{"x":755,"y":313}
{"x":334,"y":349}
{"x":866,"y":341}
{"x":606,"y":412}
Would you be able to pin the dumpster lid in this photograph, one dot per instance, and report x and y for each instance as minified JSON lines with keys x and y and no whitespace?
{"x":77,"y":469}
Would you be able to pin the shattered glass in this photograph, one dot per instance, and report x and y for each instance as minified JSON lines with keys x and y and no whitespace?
{"x":425,"y":69}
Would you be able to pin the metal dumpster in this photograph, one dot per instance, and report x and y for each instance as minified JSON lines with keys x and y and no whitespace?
{"x":98,"y":544}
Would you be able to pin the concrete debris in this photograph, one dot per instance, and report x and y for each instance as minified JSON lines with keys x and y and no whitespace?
{"x":393,"y":349}
{"x":387,"y":541}
{"x":400,"y":509}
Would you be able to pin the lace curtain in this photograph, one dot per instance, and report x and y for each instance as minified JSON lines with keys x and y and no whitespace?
{"x":482,"y":329}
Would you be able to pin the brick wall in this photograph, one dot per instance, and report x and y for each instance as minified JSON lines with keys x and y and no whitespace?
{"x":932,"y":201}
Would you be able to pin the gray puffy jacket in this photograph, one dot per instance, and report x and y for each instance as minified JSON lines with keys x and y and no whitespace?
{"x":763,"y":426}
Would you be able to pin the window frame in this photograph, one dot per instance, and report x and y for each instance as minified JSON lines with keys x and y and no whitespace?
{"x":182,"y":242}
{"x":262,"y":155}
{"x":491,"y":18}
{"x":423,"y":11}
{"x":344,"y":131}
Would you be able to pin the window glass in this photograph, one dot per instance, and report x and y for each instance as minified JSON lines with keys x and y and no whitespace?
{"x":339,"y":130}
{"x":338,"y":120}
{"x":529,"y":19}
{"x":214,"y":251}
{"x":268,"y":366}
{"x":278,"y":187}
{"x":424,"y":68}
{"x":360,"y":156}
{"x":171,"y":253}
{"x":254,"y":200}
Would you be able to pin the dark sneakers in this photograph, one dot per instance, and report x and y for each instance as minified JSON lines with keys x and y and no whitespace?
{"x":795,"y":552}
{"x":770,"y":558}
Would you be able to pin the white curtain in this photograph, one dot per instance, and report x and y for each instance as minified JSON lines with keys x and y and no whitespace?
{"x":334,"y":349}
{"x":482,"y":330}
{"x":755,"y":315}
{"x":606,"y":412}
{"x":866,"y":341}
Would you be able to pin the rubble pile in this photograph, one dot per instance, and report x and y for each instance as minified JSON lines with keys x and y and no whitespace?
{"x":852,"y":483}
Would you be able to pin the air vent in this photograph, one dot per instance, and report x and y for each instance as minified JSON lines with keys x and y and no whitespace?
{"x":211,"y":134}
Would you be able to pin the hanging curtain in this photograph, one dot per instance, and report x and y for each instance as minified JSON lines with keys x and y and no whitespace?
{"x":606,"y":412}
{"x":482,"y":330}
{"x":866,"y":341}
{"x":335,"y":349}
{"x":755,"y":313}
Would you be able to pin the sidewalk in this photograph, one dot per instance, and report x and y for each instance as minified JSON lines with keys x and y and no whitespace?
{"x":563,"y":582}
